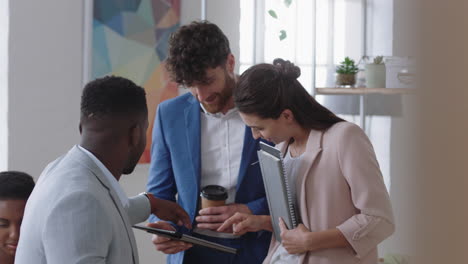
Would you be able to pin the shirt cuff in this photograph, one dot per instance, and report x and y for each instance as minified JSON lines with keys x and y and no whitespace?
{"x":139,"y":209}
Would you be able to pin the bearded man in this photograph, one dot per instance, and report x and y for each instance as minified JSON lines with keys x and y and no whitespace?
{"x":199,"y":139}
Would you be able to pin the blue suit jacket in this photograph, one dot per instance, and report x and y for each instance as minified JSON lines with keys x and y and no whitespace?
{"x":176,"y":166}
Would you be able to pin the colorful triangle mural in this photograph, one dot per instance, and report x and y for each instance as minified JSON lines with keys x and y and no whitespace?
{"x":130,"y":40}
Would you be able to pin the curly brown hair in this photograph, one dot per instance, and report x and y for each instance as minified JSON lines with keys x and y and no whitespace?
{"x":193,"y":49}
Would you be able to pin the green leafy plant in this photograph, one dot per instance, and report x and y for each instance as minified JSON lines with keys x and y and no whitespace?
{"x":347,"y":67}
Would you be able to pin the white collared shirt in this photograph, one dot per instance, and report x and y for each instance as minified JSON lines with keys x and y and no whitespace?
{"x":113,"y":181}
{"x":222,"y":140}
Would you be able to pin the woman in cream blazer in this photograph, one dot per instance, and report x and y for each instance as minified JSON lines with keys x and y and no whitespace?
{"x":342,"y":200}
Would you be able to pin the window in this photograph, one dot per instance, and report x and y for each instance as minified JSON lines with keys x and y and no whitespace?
{"x":319,"y":34}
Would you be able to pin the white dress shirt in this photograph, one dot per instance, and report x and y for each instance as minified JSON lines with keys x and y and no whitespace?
{"x":113,"y":181}
{"x":222,"y":140}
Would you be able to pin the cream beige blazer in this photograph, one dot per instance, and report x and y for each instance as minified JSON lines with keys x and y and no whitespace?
{"x":340,"y":186}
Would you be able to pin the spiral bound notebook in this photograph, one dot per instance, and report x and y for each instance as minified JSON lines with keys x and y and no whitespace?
{"x":280,"y":200}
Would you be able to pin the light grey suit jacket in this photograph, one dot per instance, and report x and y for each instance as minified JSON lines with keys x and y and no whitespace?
{"x":74,"y":216}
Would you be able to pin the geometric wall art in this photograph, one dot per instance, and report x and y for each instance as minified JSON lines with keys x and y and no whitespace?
{"x":130,"y":39}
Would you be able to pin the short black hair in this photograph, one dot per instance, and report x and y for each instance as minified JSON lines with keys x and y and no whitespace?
{"x":193,"y":49}
{"x":112,"y":96}
{"x":15,"y":185}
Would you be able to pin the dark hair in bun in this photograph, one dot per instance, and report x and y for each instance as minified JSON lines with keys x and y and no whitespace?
{"x":266,"y":90}
{"x":287,"y":69}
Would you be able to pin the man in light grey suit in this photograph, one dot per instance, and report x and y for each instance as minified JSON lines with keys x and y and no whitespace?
{"x":78,"y":212}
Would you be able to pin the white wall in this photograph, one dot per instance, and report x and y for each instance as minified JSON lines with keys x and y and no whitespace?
{"x":45,"y":62}
{"x":3,"y":84}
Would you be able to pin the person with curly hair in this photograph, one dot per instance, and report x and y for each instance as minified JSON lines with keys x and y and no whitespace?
{"x":331,"y":167}
{"x":15,"y":188}
{"x":199,"y":140}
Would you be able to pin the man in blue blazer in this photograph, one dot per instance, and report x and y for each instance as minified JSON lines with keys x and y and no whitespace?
{"x":199,"y":139}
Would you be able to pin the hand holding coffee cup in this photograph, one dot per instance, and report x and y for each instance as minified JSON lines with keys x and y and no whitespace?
{"x":214,"y":210}
{"x":212,"y":196}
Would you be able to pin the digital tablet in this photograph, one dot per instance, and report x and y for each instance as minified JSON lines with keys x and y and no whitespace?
{"x":186,"y":238}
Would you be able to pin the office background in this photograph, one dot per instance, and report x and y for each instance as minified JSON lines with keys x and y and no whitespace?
{"x":41,"y":77}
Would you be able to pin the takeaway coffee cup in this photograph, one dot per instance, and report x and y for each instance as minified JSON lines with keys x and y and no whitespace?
{"x":213,"y":195}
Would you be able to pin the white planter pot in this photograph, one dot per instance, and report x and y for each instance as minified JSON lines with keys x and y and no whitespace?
{"x":375,"y":75}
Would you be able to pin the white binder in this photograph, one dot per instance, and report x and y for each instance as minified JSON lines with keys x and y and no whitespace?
{"x":280,"y":199}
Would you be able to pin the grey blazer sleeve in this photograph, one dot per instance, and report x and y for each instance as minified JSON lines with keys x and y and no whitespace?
{"x":139,"y":209}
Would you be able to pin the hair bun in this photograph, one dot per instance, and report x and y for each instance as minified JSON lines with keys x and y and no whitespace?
{"x":287,"y":68}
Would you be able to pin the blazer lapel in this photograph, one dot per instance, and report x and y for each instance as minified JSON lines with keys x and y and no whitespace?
{"x":85,"y":160}
{"x":313,"y":148}
{"x":192,"y":124}
{"x":250,"y":146}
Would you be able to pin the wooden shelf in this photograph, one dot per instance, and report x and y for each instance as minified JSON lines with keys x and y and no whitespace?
{"x":363,"y":90}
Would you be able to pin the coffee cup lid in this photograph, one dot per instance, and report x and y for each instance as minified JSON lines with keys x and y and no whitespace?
{"x":214,"y":192}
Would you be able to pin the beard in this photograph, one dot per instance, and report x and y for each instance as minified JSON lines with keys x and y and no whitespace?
{"x":128,"y":171}
{"x":130,"y":167}
{"x":134,"y":157}
{"x":223,"y":97}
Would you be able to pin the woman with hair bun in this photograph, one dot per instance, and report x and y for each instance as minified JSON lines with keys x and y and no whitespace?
{"x":342,"y":200}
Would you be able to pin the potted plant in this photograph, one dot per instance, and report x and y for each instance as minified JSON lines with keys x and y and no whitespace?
{"x":375,"y":73}
{"x":346,"y":72}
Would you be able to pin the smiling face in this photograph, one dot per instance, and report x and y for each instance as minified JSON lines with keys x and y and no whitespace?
{"x":215,"y":92}
{"x":273,"y":130}
{"x":11,"y":215}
